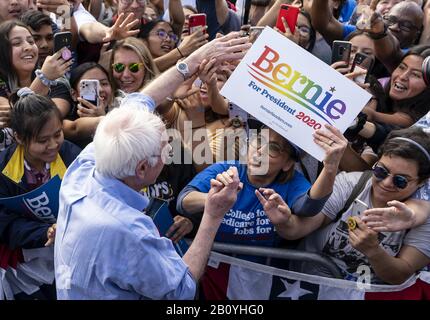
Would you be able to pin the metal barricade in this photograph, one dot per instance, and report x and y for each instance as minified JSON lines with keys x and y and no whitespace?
{"x":280,"y":253}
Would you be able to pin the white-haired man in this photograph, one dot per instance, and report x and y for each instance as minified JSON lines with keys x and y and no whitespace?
{"x":106,"y":248}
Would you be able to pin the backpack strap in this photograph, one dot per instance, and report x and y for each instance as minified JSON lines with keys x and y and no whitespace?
{"x":358,"y":188}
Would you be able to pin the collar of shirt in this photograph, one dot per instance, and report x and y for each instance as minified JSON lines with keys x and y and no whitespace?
{"x":122,"y":192}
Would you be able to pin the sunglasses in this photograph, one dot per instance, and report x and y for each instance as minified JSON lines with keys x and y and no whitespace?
{"x":399,"y":181}
{"x":133,"y":67}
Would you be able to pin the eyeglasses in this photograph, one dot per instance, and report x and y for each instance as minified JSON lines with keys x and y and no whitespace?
{"x":166,"y":153}
{"x":133,"y":67}
{"x":139,"y":2}
{"x":162,"y":34}
{"x":399,"y":181}
{"x":403,"y":24}
{"x":274,"y":149}
{"x":304,"y":29}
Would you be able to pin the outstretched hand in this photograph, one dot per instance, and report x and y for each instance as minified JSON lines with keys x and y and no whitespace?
{"x":122,"y":28}
{"x":223,"y":193}
{"x":398,"y":216}
{"x":274,"y":206}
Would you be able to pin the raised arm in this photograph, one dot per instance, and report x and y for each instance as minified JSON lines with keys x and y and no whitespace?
{"x":177,"y":16}
{"x":221,"y":11}
{"x":324,"y":22}
{"x":227,"y":48}
{"x":334,"y":143}
{"x":269,"y":18}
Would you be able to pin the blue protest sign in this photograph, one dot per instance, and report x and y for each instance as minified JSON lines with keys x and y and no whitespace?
{"x":40,"y":203}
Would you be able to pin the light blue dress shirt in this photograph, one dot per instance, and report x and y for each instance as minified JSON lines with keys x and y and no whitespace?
{"x":106,"y":248}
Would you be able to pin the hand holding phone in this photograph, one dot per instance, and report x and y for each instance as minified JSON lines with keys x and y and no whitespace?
{"x":61,"y":40}
{"x":362,"y":62}
{"x":290,"y":13}
{"x":341,"y":51}
{"x":196,"y":21}
{"x":358,"y":207}
{"x":89,"y":90}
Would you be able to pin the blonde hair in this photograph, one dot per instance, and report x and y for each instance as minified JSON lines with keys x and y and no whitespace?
{"x":138,"y":47}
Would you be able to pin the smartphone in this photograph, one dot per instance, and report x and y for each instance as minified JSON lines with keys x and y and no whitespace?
{"x":362,"y":62}
{"x":341,"y":51}
{"x":61,"y":40}
{"x":195,"y":21}
{"x":358,"y":207}
{"x":290,"y":13}
{"x":255,"y":31}
{"x":89,"y":90}
{"x":237,"y":115}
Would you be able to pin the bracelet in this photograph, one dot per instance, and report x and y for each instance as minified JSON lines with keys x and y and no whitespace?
{"x":182,"y":56}
{"x":377,"y":36}
{"x":45,"y":81}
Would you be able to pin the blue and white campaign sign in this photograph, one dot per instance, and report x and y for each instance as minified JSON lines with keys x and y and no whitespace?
{"x":291,"y":91}
{"x":158,"y":210}
{"x":40,"y":203}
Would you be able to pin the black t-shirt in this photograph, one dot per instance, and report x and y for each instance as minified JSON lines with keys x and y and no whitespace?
{"x":172,"y":179}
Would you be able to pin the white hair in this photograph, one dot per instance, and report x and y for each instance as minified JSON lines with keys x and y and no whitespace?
{"x":125,"y":137}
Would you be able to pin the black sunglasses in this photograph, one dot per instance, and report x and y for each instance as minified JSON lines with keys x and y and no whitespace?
{"x":399,"y":181}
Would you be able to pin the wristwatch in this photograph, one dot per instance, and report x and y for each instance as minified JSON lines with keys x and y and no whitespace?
{"x":183,"y":69}
{"x":46,"y":82}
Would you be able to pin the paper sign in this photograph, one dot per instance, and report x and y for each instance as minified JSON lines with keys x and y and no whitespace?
{"x":40,"y":203}
{"x":293,"y":92}
{"x":158,"y":210}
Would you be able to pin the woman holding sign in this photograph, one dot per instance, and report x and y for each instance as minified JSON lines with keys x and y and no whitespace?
{"x":32,"y":163}
{"x":270,"y":164}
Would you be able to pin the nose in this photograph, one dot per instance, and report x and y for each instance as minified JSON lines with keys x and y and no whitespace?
{"x":135,"y":5}
{"x":387,"y":183}
{"x":43,"y":43}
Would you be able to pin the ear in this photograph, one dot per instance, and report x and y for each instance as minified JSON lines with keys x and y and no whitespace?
{"x":18,"y":139}
{"x":74,"y":95}
{"x":288,"y":165}
{"x":141,"y":169}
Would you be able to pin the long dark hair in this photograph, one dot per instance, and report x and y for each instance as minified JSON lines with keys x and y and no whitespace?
{"x":7,"y":72}
{"x":416,"y":106}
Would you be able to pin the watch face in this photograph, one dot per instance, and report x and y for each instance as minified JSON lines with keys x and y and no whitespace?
{"x":182,"y":66}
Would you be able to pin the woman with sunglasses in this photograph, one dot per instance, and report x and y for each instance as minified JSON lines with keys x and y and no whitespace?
{"x":391,"y":257}
{"x":132,"y":66}
{"x":270,"y":164}
{"x":164,"y":44}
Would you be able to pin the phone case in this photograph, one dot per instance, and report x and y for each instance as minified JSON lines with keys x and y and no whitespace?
{"x":195,"y":21}
{"x":361,"y":62}
{"x":341,"y":51}
{"x":290,"y":13}
{"x":358,"y":207}
{"x":89,"y":90}
{"x":61,"y":40}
